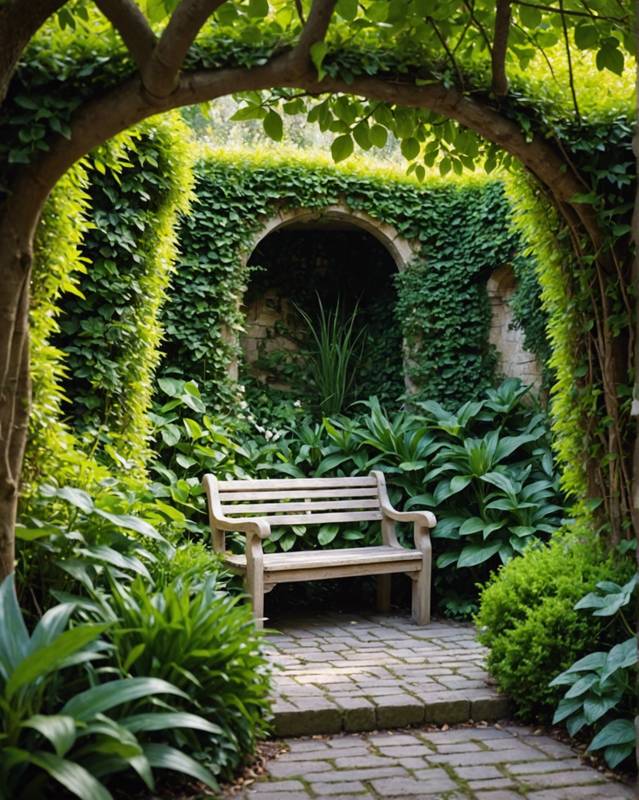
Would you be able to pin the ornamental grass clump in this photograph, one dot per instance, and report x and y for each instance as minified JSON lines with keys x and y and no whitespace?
{"x":335,"y":353}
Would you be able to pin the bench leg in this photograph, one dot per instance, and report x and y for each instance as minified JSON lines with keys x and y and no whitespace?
{"x":421,"y":596}
{"x":255,"y":578}
{"x":383,"y":593}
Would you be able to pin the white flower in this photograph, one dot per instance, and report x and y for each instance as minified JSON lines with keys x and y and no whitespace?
{"x":297,"y":404}
{"x":268,"y":435}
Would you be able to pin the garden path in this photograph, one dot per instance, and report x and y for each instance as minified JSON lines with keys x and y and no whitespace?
{"x":345,"y":672}
{"x":349,"y":676}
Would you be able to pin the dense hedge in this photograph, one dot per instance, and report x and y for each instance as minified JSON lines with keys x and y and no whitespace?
{"x":110,"y":332}
{"x":461,"y":229}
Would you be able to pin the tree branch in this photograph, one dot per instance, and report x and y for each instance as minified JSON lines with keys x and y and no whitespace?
{"x":313,"y":32}
{"x":449,"y":55}
{"x":129,"y":21}
{"x":571,"y":77}
{"x":569,"y":12}
{"x":500,"y":47}
{"x":161,"y":76}
{"x":19,"y":22}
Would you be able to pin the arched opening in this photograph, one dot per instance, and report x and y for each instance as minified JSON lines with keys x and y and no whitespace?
{"x":341,"y":261}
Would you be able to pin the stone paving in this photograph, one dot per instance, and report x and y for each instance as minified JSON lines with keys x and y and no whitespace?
{"x":346,"y":672}
{"x":482,"y":763}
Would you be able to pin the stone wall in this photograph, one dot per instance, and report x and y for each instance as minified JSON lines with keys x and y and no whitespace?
{"x":514,"y":360}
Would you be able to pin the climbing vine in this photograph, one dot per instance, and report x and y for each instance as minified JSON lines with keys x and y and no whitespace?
{"x":110,"y":331}
{"x":459,"y":228}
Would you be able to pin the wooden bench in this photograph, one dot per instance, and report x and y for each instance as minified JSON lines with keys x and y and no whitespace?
{"x":253,"y":507}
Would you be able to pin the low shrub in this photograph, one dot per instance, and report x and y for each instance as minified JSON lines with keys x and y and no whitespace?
{"x":528,"y":620}
{"x":204,"y":642}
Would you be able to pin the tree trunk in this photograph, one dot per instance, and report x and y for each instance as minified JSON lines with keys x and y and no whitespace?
{"x":15,"y":387}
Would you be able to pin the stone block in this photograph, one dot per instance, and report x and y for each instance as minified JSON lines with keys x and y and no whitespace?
{"x":448,"y":712}
{"x":308,"y":722}
{"x":397,"y":715}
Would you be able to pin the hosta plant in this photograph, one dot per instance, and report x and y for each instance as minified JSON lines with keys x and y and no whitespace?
{"x":602,"y":685}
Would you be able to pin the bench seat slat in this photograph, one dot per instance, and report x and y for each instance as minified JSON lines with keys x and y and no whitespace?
{"x":316,"y":519}
{"x":293,"y":494}
{"x":285,"y":508}
{"x":319,"y":559}
{"x":294,"y":483}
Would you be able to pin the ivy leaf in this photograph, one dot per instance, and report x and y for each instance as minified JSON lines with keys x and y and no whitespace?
{"x":342,"y":148}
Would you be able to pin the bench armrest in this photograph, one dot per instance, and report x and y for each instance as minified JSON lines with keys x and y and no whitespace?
{"x":253,"y":527}
{"x":423,"y":519}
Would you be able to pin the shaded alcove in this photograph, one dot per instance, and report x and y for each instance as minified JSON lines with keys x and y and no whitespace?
{"x":335,"y":261}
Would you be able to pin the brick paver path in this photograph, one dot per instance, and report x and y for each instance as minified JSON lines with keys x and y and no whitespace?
{"x":344,"y":672}
{"x":489,"y":763}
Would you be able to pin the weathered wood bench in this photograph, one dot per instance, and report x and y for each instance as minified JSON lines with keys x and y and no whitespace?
{"x":253,"y":507}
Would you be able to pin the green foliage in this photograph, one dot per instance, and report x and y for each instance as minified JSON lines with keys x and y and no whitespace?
{"x":486,"y":471}
{"x":110,"y":332}
{"x":460,"y":230}
{"x":57,"y":268}
{"x":202,"y":641}
{"x":60,"y":725}
{"x":601,"y":685}
{"x":497,"y":490}
{"x":334,"y":357}
{"x":527,"y":616}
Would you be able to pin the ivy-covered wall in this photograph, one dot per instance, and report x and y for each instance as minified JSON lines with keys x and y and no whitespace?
{"x":461,"y":227}
{"x":110,"y":330}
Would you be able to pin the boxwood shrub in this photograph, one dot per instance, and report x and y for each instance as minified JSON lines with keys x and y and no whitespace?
{"x":527,"y":617}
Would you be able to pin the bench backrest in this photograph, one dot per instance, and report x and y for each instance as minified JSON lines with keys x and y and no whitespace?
{"x":301,"y":501}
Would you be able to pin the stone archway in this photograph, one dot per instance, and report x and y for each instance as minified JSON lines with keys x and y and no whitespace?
{"x":399,"y":249}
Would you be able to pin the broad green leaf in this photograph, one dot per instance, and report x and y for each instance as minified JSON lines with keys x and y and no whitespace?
{"x":347,"y":9}
{"x":162,"y":756}
{"x":273,"y":126}
{"x":77,"y":497}
{"x":378,"y":135}
{"x":582,"y":685}
{"x":318,"y":53}
{"x":327,"y":533}
{"x":621,"y":656}
{"x":48,"y":658}
{"x":101,"y":698}
{"x":586,"y":36}
{"x":566,"y":708}
{"x":72,"y":776}
{"x":472,"y":525}
{"x":59,"y":729}
{"x":474,"y":554}
{"x":159,"y":721}
{"x":616,"y":732}
{"x":341,"y":148}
